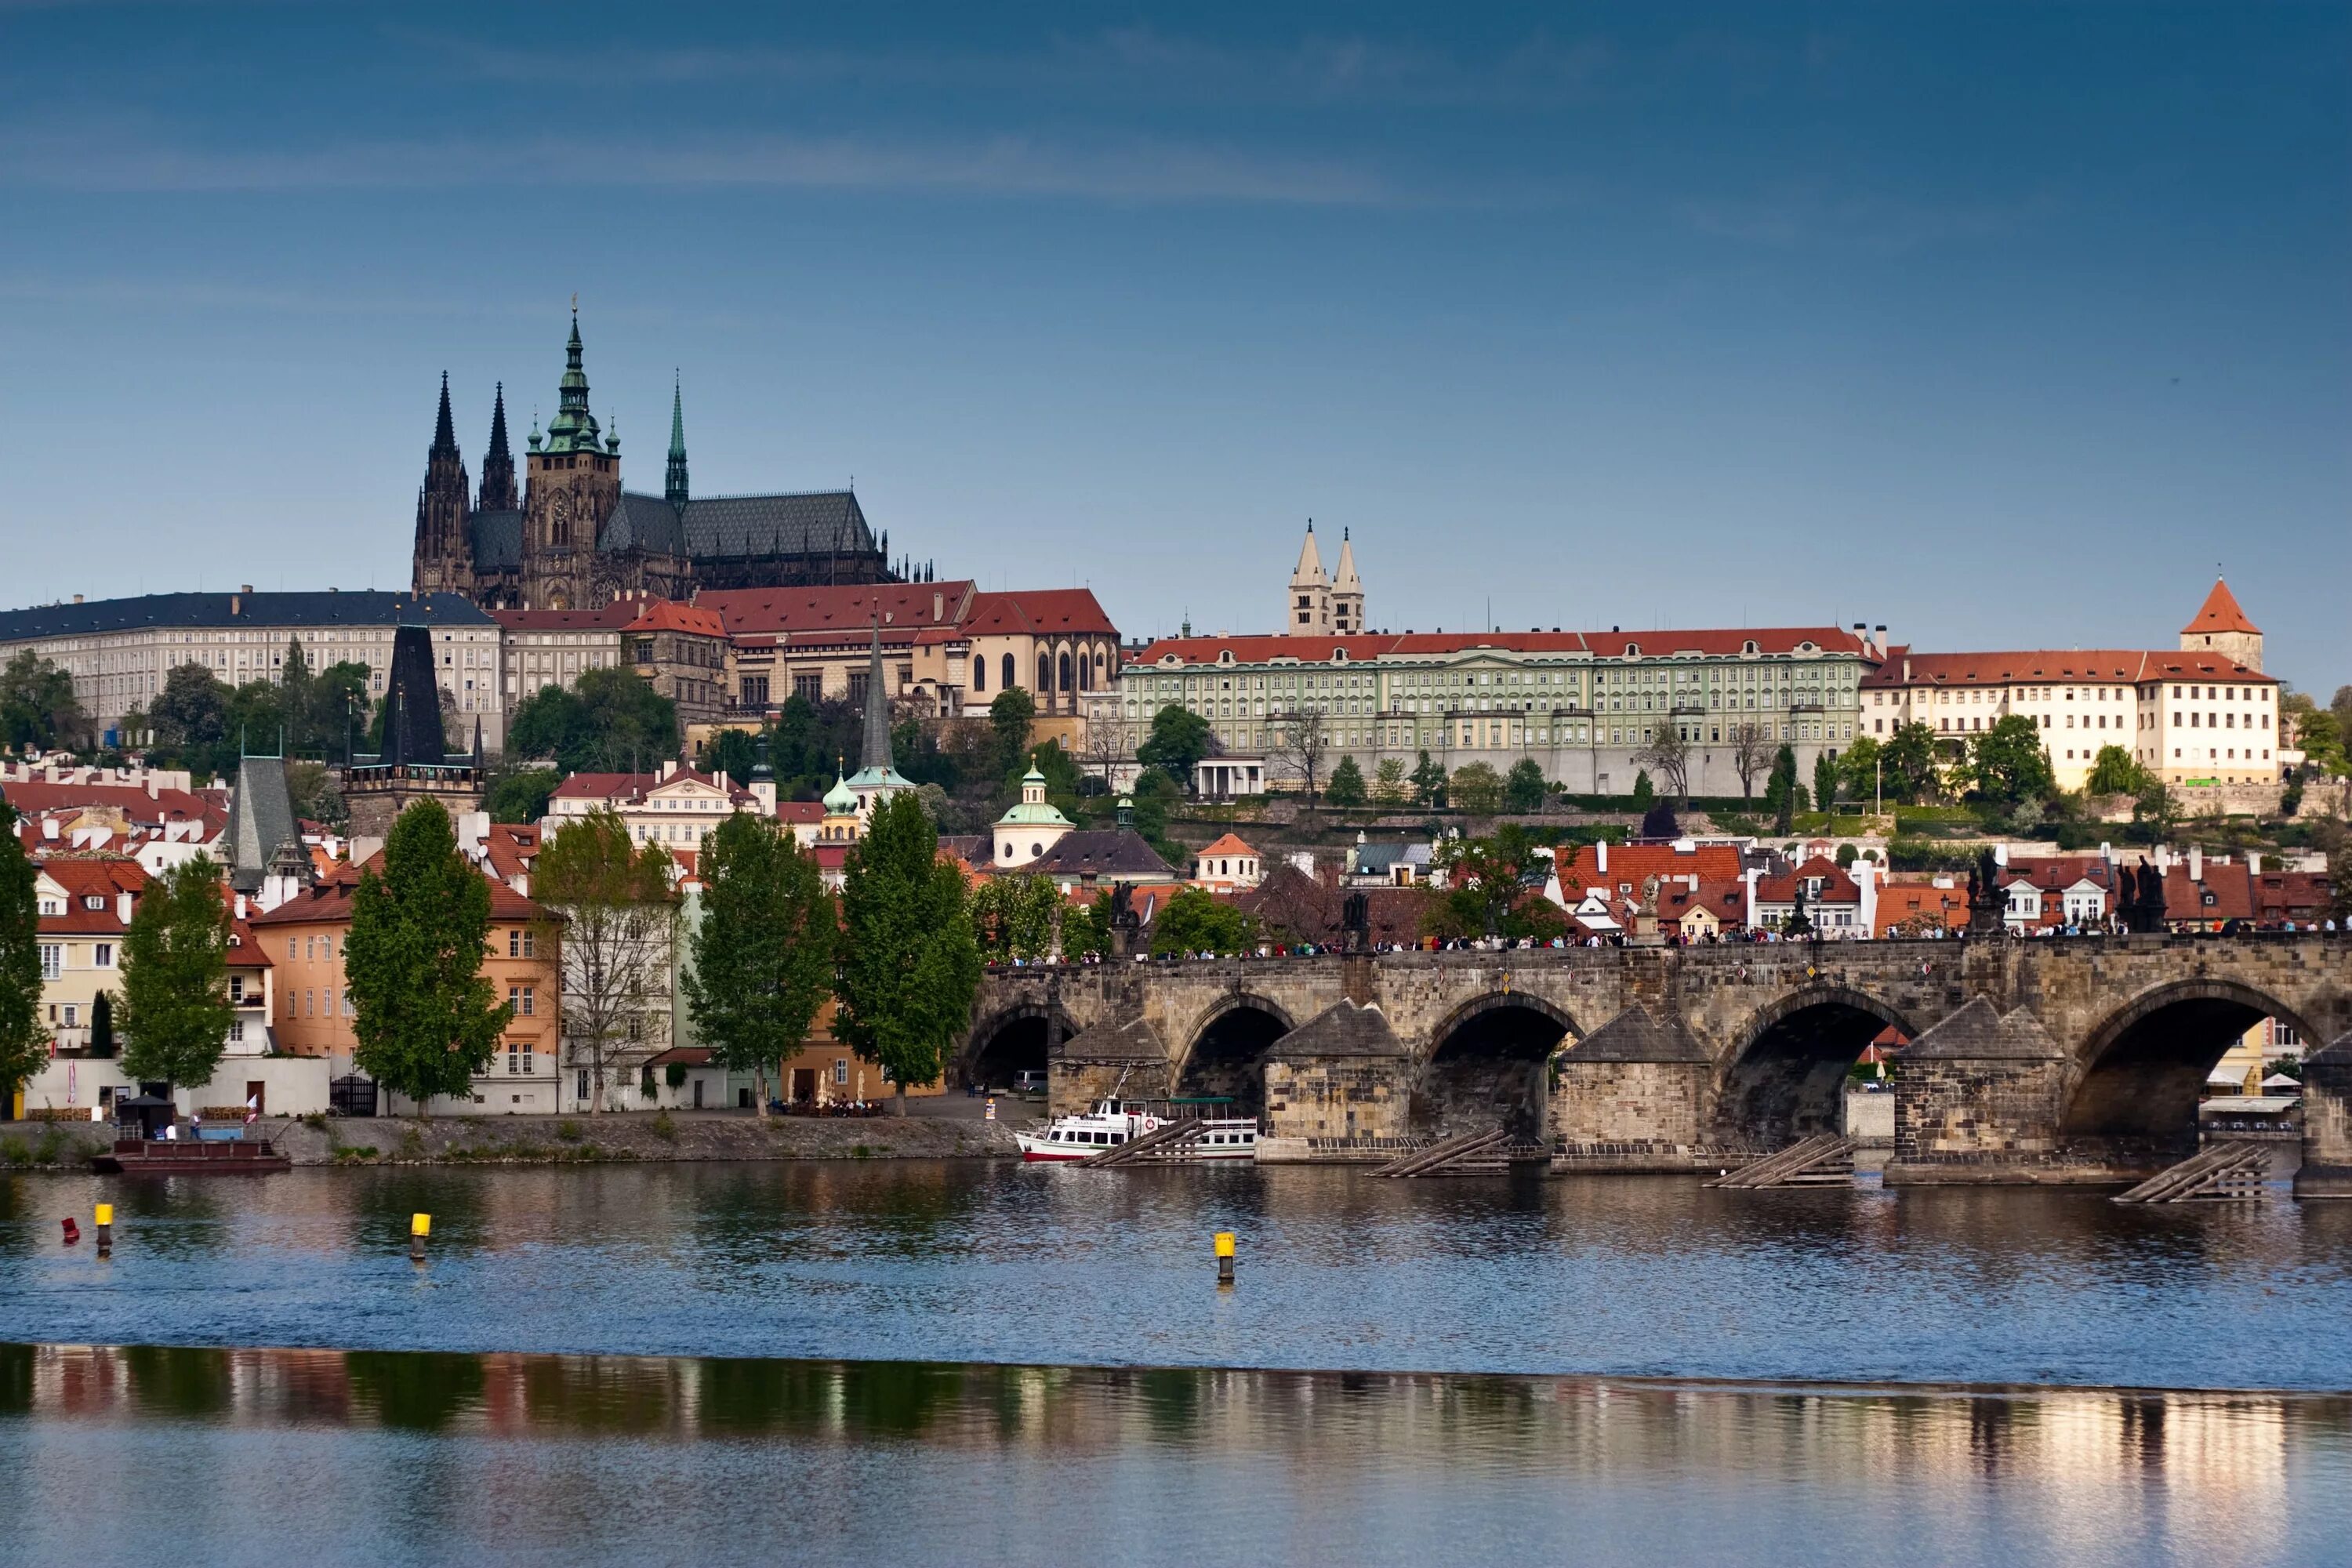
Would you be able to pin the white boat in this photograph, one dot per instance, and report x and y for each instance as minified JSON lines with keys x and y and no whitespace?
{"x":1111,"y":1123}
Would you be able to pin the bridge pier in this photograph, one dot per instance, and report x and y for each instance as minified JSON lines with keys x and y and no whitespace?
{"x":1338,"y":1087}
{"x":2327,"y":1124}
{"x":1632,"y":1097}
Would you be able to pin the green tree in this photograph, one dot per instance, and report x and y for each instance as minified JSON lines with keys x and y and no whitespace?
{"x":191,"y":712}
{"x":297,"y":688}
{"x":427,"y":1019}
{"x":1428,"y":781}
{"x":1644,"y":792}
{"x":2155,"y":811}
{"x":102,"y":1024}
{"x":24,"y":1042}
{"x":908,"y":961}
{"x":338,"y":708}
{"x":611,"y":721}
{"x":733,"y":752}
{"x":1155,"y":795}
{"x":1825,"y":781}
{"x":1013,"y":917}
{"x":1009,"y":716}
{"x":1389,"y":786}
{"x":521,"y":794}
{"x":1476,"y":788}
{"x":1491,"y":890}
{"x":1782,"y":780}
{"x":763,"y":953}
{"x":1858,"y":770}
{"x":1179,"y":739}
{"x":1910,"y":763}
{"x":2009,"y":761}
{"x":1196,"y":922}
{"x":38,"y":710}
{"x":176,"y":1007}
{"x":618,"y":939}
{"x":310,"y":787}
{"x":1347,"y":786}
{"x":1524,"y":788}
{"x":2113,"y":771}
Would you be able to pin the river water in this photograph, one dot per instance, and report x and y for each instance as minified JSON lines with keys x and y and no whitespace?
{"x":908,"y":1362}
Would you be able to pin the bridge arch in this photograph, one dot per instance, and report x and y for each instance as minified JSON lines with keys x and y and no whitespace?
{"x":1785,"y":1077}
{"x":1010,"y":1041}
{"x":2142,"y":1069}
{"x":1488,"y":1064}
{"x":1225,"y":1048}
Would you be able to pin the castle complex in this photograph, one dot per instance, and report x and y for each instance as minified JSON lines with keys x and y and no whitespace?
{"x":574,"y":539}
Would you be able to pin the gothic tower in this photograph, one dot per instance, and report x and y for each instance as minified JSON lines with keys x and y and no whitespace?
{"x":444,"y":559}
{"x":1308,"y":612}
{"x":1347,"y":592}
{"x":674,"y":477}
{"x":498,"y":463}
{"x":574,"y":482}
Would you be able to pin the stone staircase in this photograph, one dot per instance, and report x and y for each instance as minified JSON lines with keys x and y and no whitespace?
{"x":1824,"y":1159}
{"x":2231,"y":1169}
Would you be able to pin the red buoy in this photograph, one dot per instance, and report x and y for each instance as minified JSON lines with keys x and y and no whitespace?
{"x":73,"y":1233}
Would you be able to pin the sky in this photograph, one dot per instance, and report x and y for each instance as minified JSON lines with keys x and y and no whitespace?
{"x":2004,"y":327}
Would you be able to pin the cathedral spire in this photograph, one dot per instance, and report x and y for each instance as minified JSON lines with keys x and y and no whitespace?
{"x":574,"y":428}
{"x":498,"y":463}
{"x":874,"y":754}
{"x":444,"y":431}
{"x":674,"y":478}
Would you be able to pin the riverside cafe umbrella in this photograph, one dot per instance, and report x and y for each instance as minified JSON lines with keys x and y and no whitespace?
{"x":149,"y":1113}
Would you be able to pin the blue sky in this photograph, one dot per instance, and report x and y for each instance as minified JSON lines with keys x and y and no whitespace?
{"x":2001,"y":326}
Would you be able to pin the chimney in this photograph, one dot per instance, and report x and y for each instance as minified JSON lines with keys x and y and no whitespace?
{"x":235,"y":604}
{"x":2196,"y":863}
{"x":240,"y":906}
{"x":1907,"y":672}
{"x":2253,"y":862}
{"x":122,"y":908}
{"x":1601,"y":850}
{"x":150,"y":787}
{"x":77,"y":598}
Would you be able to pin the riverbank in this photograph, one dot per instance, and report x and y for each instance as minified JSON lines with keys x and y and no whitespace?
{"x":617,"y":1137}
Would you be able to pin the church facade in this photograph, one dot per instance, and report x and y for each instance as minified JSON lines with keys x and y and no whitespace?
{"x":574,"y":539}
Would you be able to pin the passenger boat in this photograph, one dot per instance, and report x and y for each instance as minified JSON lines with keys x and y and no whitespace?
{"x":1111,"y":1123}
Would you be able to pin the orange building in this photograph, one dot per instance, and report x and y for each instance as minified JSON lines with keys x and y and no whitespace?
{"x":305,"y":940}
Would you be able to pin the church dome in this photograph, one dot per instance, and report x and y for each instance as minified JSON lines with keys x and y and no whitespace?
{"x":840,"y":799}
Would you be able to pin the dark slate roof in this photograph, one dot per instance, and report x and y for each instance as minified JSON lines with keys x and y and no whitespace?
{"x":1342,"y":1029}
{"x":718,"y":528}
{"x":1638,"y":1035}
{"x":1979,"y":1033}
{"x":1118,"y":852}
{"x":1130,"y":1040}
{"x":368,"y":608}
{"x":496,"y":538}
{"x":260,"y":820}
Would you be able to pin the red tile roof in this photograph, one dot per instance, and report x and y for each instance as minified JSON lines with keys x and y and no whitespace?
{"x":1633,"y":864}
{"x":1260,"y":648}
{"x":103,"y":878}
{"x":669,"y":615}
{"x":2220,"y":613}
{"x":906,"y":605}
{"x":1037,"y":612}
{"x":329,"y":902}
{"x":136,"y":805}
{"x":2121,"y":666}
{"x":1837,"y":887}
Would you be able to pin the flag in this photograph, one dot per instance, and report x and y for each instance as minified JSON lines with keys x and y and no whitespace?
{"x":252,"y":1109}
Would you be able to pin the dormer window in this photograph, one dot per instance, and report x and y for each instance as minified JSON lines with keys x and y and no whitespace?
{"x":93,"y":901}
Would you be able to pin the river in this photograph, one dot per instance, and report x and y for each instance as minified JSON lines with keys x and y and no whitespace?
{"x":931,"y":1361}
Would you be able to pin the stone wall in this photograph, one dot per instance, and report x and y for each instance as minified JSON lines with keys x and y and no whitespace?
{"x":1342,"y":1097}
{"x":1655,"y":1105}
{"x":2327,"y":1124}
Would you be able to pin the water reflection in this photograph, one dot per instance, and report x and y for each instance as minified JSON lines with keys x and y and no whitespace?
{"x":1230,"y":1466}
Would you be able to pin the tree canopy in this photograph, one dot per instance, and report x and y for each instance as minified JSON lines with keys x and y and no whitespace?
{"x":1488,"y":890}
{"x":38,"y":709}
{"x":1010,"y":715}
{"x":1524,"y":788}
{"x":24,"y":1042}
{"x":1179,"y":739}
{"x":763,"y":955}
{"x":2113,"y":771}
{"x":1476,"y":788}
{"x":619,"y":929}
{"x":428,"y":1018}
{"x":613,"y":721}
{"x":1910,"y":763}
{"x":1347,"y":786}
{"x":1013,"y":917}
{"x":1195,"y":920}
{"x":908,"y":961}
{"x":2009,"y":761}
{"x":175,"y":1006}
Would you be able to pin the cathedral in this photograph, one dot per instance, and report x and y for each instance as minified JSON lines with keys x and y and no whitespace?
{"x":574,"y":539}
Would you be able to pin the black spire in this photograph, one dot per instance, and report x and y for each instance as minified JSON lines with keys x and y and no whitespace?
{"x":444,"y":432}
{"x":498,"y":463}
{"x":674,"y":489}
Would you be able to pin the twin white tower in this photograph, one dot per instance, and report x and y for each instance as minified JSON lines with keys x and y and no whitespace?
{"x":1322,"y":606}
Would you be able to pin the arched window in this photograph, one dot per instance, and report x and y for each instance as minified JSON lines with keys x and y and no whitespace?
{"x":1011,"y":680}
{"x":980,"y":673}
{"x":1065,"y":672}
{"x":1044,"y":673}
{"x":1085,"y":671}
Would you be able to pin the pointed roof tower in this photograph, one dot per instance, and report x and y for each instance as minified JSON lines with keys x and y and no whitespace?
{"x":574,"y":428}
{"x":1307,"y":612}
{"x":498,"y":463}
{"x":2220,"y":627}
{"x":1344,"y":579}
{"x":874,"y":777}
{"x":2220,"y":613}
{"x":445,"y":430}
{"x":1310,"y":560}
{"x":674,"y":488}
{"x":1347,"y":592}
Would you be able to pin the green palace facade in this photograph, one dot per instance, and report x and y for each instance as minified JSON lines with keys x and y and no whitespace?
{"x":1580,"y":704}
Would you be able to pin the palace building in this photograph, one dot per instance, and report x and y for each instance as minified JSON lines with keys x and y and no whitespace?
{"x":574,"y":539}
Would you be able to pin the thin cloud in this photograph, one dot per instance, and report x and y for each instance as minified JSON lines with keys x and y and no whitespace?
{"x":1000,"y":165}
{"x":1888,"y":225}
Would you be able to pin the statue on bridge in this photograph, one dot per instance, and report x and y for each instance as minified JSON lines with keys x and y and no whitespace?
{"x":1987,"y":902}
{"x":1356,"y":923}
{"x":1124,"y":922}
{"x":2140,"y":899}
{"x":1800,"y":924}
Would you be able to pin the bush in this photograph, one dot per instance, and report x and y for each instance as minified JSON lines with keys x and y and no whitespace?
{"x":569,"y":1130}
{"x":664,"y":1129}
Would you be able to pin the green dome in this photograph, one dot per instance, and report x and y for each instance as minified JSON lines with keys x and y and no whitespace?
{"x":840,"y":799}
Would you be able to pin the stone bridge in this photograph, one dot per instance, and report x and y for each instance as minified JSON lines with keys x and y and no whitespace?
{"x":2067,"y":1060}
